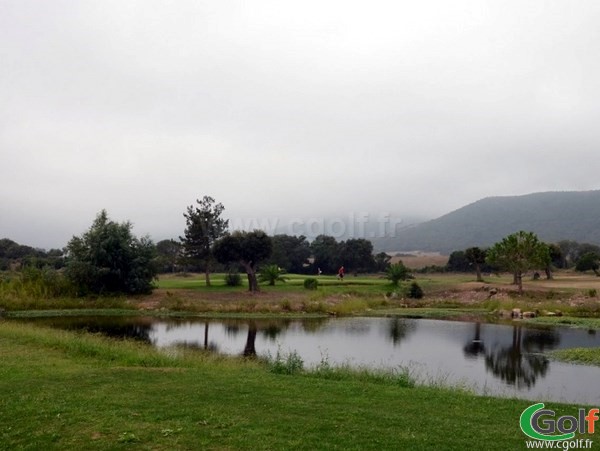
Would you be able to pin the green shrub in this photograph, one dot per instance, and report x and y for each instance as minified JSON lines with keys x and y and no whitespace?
{"x":400,"y":376}
{"x":290,"y":363}
{"x":286,"y":305}
{"x":397,"y":272}
{"x":415,"y":291}
{"x":271,"y":274}
{"x":109,"y":259}
{"x":349,"y":306}
{"x":311,"y":283}
{"x":233,"y":279}
{"x":35,"y":283}
{"x":313,"y":307}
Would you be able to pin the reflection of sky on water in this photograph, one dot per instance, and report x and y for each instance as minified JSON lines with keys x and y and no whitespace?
{"x":436,"y":351}
{"x":489,"y":358}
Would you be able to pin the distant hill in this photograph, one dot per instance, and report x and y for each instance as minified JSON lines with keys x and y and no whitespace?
{"x":553,"y":216}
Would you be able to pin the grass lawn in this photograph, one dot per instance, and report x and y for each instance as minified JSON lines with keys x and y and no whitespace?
{"x":61,"y":390}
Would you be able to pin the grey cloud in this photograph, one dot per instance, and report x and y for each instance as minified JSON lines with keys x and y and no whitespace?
{"x":288,"y":110}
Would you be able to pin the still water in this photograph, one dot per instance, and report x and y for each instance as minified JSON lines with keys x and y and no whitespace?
{"x":495,"y":359}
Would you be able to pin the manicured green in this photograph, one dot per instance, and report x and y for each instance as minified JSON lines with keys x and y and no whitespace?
{"x":292,"y":281}
{"x":62,"y":390}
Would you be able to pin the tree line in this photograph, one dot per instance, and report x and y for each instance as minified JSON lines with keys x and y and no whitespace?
{"x":523,"y":251}
{"x":14,"y":256}
{"x":108,"y":258}
{"x":292,"y":253}
{"x":207,"y":242}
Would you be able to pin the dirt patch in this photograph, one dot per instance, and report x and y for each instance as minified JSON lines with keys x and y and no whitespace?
{"x":468,"y":295}
{"x":572,"y":281}
{"x":419,"y":261}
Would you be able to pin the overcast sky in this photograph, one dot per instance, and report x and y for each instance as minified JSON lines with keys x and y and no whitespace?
{"x":284,"y":110}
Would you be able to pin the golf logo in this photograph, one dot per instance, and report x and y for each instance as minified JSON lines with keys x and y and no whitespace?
{"x":540,"y":424}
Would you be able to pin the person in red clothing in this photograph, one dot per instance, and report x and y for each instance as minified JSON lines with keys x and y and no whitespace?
{"x":341,"y":272}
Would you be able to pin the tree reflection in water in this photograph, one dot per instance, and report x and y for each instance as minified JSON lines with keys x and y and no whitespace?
{"x":517,"y":364}
{"x":399,"y":329}
{"x":270,"y":329}
{"x":138,"y":329}
{"x":313,"y":325}
{"x":512,"y":355}
{"x":250,"y":348}
{"x":475,"y":346}
{"x":209,"y":346}
{"x":232,"y":329}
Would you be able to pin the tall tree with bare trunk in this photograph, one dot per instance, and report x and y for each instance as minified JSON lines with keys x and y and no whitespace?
{"x":204,"y":226}
{"x":476,"y":258}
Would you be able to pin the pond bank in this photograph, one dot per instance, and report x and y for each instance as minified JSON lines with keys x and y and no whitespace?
{"x":69,"y":393}
{"x":457,"y":314}
{"x":507,"y":359}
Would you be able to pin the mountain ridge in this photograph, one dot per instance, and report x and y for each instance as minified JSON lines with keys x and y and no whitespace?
{"x":552,"y":215}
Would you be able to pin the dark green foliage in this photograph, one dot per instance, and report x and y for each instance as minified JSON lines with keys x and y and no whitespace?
{"x":204,"y":226}
{"x":109,"y":259}
{"x":415,"y":291}
{"x":168,"y":255}
{"x":12,"y":250}
{"x":476,"y":258}
{"x":17,"y":255}
{"x":356,"y":254}
{"x":244,"y":247}
{"x":590,"y":261}
{"x":271,"y":274}
{"x":458,"y":262}
{"x":475,"y":255}
{"x":382,"y":261}
{"x":397,"y":272}
{"x":291,"y":253}
{"x":572,"y":251}
{"x":248,"y":249}
{"x":326,"y":253}
{"x":466,"y":261}
{"x":518,"y":253}
{"x":233,"y":279}
{"x":311,"y":283}
{"x":556,"y":256}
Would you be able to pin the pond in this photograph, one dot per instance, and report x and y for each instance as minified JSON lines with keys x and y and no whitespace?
{"x":494,"y":359}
